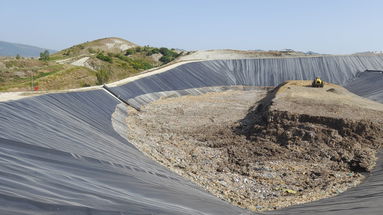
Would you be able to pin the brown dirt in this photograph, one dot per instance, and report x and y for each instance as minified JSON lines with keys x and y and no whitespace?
{"x":259,"y":152}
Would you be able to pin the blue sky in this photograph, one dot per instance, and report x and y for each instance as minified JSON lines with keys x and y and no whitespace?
{"x":325,"y":26}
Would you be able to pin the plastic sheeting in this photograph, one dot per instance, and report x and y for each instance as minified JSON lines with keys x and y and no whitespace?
{"x":61,"y":154}
{"x":252,"y":72}
{"x":368,"y":84}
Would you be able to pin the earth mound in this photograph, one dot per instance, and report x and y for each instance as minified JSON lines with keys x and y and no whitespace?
{"x":264,"y":150}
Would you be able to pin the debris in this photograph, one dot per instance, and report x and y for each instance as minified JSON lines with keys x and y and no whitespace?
{"x":245,"y":152}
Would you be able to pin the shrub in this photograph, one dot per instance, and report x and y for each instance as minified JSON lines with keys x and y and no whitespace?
{"x":166,"y":59}
{"x":153,"y":51}
{"x":101,"y":56}
{"x":146,"y":48}
{"x":130,"y":51}
{"x":168,"y":55}
{"x":164,"y":51}
{"x":136,"y":63}
{"x":44,"y":56}
{"x":124,"y":58}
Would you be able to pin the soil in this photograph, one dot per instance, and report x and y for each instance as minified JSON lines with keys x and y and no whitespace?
{"x":263,"y":150}
{"x":224,"y":54}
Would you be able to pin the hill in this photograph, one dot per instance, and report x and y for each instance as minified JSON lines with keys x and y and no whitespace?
{"x":110,"y":45}
{"x":13,"y":49}
{"x":87,"y":64}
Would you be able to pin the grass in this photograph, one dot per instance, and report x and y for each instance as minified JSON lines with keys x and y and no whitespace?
{"x":107,"y":66}
{"x":71,"y":77}
{"x":17,"y":76}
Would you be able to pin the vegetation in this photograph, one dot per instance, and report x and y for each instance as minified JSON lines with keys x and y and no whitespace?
{"x":101,"y":56}
{"x":91,"y":50}
{"x":103,"y":76}
{"x":135,"y":62}
{"x":74,"y":50}
{"x":103,"y":65}
{"x":167,"y":54}
{"x":16,"y":75}
{"x":44,"y":56}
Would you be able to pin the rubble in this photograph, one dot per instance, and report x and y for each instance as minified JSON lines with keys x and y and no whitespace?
{"x":238,"y":148}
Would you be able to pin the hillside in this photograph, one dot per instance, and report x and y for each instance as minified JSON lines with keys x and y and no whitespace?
{"x":25,"y":74}
{"x":87,"y":64}
{"x":110,"y":45}
{"x":13,"y":49}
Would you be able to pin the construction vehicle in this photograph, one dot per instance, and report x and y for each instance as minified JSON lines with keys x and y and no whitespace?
{"x":317,"y":82}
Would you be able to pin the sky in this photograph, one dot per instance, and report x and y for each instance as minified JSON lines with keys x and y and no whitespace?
{"x":324,"y":26}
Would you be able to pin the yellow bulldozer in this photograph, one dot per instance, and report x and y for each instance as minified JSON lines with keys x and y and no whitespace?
{"x":317,"y":82}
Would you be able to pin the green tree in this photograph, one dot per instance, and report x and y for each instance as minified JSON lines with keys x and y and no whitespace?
{"x":44,"y":56}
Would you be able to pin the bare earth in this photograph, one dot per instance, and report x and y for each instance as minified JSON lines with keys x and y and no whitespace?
{"x":263,"y":157}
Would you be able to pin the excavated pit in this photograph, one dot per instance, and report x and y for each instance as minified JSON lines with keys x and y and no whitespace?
{"x":261,"y":149}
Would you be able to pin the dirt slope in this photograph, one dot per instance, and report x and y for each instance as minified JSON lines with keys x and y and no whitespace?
{"x":221,"y":54}
{"x":331,"y":101}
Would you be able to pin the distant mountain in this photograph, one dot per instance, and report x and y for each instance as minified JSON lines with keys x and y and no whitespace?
{"x":12,"y":49}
